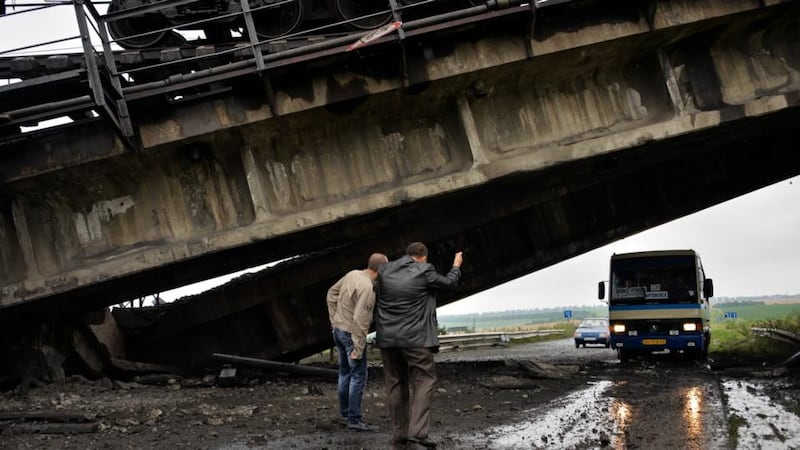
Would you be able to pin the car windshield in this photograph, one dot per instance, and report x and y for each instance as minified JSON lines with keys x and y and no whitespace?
{"x":593,"y":323}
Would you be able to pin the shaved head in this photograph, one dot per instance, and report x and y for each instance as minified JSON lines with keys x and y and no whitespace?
{"x":375,"y":260}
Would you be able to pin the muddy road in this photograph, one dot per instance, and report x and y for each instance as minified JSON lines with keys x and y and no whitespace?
{"x":544,"y":395}
{"x":660,"y":402}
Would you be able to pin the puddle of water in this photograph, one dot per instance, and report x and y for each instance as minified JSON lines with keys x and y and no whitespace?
{"x":693,"y":413}
{"x":766,"y":424}
{"x":571,"y":421}
{"x":622,"y":414}
{"x":590,"y":418}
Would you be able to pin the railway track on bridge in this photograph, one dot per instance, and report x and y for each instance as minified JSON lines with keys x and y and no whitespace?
{"x":99,"y":82}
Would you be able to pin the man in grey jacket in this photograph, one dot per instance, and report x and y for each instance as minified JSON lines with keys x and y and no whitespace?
{"x":407,"y":334}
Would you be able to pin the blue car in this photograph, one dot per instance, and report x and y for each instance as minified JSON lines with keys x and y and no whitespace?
{"x":592,"y":330}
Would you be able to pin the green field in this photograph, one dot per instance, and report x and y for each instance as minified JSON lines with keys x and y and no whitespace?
{"x":746,"y":312}
{"x":750,"y":312}
{"x":734,"y":339}
{"x":521,"y":318}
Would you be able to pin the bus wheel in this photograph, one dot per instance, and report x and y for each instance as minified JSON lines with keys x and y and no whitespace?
{"x":707,"y":344}
{"x":696,"y":355}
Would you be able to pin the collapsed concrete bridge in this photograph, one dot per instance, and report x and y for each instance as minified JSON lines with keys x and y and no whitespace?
{"x":522,"y":142}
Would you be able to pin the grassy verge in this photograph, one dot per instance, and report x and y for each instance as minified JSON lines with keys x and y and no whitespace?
{"x":734,"y":339}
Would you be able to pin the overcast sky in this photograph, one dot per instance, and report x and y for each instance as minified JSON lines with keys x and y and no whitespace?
{"x":749,"y":245}
{"x":39,"y":26}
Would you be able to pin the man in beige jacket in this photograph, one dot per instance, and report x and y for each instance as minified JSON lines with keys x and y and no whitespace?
{"x":350,"y":304}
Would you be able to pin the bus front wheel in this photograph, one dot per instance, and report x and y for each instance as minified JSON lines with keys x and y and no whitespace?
{"x":625,"y":355}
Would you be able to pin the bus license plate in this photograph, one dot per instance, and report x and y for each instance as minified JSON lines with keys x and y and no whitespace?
{"x":654,"y":342}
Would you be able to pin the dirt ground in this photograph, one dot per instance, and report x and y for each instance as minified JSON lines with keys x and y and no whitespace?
{"x":132,"y":415}
{"x":479,"y":394}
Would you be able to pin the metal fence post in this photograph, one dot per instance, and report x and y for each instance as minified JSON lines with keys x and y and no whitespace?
{"x":88,"y":55}
{"x":396,"y":16}
{"x":122,"y":107}
{"x":117,"y":113}
{"x":251,"y":32}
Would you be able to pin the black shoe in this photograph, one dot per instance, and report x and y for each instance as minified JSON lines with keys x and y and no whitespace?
{"x":425,"y":442}
{"x":398,"y":443}
{"x":361,"y":426}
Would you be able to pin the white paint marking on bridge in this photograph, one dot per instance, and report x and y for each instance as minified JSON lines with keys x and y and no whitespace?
{"x":89,"y":227}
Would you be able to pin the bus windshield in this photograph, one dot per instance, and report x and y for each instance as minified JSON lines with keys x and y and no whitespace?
{"x":663,"y":279}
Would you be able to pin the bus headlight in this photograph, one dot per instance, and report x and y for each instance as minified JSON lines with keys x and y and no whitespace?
{"x":578,"y":334}
{"x":618,"y":328}
{"x":690,"y":326}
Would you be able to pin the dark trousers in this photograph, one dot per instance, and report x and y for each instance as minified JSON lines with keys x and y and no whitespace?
{"x":410,"y":375}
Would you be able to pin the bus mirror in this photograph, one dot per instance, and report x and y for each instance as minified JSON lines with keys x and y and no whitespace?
{"x":601,"y":290}
{"x":708,"y":288}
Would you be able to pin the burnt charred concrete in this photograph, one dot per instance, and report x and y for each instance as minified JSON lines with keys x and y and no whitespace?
{"x":573,"y":139}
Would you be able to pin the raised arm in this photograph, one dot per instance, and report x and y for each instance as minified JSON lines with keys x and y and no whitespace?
{"x":450,"y":280}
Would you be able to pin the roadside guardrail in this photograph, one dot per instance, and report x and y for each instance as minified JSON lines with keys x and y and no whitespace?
{"x":783,"y":336}
{"x":778,"y":335}
{"x":469,"y":340}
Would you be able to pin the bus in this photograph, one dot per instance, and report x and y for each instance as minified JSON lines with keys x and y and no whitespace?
{"x":658,"y":301}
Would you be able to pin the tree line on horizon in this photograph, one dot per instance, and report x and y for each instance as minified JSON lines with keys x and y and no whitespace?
{"x":500,"y":319}
{"x":778,"y":298}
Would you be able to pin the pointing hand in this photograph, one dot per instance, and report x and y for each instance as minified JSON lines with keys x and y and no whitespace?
{"x":458,"y":259}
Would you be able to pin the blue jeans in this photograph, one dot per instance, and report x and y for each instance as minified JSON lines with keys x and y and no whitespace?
{"x":352,"y":377}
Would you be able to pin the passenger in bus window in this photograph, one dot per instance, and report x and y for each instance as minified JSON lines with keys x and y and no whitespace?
{"x":679,"y":289}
